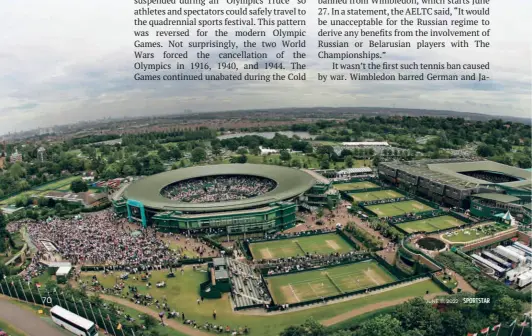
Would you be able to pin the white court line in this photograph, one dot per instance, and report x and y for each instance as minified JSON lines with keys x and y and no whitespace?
{"x":315,"y":294}
{"x":372,"y":279}
{"x":294,"y":292}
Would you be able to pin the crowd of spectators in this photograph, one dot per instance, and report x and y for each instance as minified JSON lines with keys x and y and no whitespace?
{"x":218,"y":189}
{"x":101,"y":239}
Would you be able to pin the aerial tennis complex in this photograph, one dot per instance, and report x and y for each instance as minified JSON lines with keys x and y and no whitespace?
{"x":235,"y":198}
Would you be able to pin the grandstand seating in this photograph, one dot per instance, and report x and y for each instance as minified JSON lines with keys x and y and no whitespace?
{"x":248,"y":288}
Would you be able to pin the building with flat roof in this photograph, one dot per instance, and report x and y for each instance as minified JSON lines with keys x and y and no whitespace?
{"x":463,"y":183}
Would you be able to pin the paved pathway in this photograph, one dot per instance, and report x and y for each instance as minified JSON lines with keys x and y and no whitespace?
{"x":366,"y":309}
{"x":463,"y":284}
{"x":26,"y":320}
{"x":174,"y":324}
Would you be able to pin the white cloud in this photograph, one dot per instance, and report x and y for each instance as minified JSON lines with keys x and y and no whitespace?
{"x":64,"y":61}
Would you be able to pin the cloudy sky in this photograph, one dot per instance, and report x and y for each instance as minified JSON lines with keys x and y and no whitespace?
{"x":63,"y":61}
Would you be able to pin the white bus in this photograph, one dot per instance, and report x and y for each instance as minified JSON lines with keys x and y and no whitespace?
{"x":72,"y":322}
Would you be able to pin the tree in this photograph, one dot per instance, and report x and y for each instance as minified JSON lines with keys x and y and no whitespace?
{"x":242,"y":151}
{"x":454,"y":323}
{"x":376,"y":160}
{"x":384,"y":325}
{"x":507,"y":308}
{"x":128,"y":170}
{"x":284,"y":155}
{"x":418,"y":314}
{"x":78,"y":186}
{"x":149,"y":321}
{"x":309,"y":328}
{"x":485,"y":150}
{"x":349,"y":161}
{"x":198,"y":155}
{"x":3,"y":233}
{"x":239,"y":159}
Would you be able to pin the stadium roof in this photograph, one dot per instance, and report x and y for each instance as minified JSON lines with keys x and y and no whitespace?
{"x":366,"y":143}
{"x":290,"y":183}
{"x":497,"y":197}
{"x":355,"y":170}
{"x":447,"y":171}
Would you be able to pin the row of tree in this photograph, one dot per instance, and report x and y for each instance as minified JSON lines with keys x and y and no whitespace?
{"x":419,"y":317}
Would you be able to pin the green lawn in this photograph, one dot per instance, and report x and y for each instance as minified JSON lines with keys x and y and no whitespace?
{"x":431,"y":224}
{"x":320,"y":244}
{"x":60,"y":184}
{"x":183,"y":291}
{"x":322,"y":283}
{"x":355,"y":185}
{"x":375,"y":195}
{"x":398,"y":208}
{"x":469,"y":234}
{"x":28,"y":193}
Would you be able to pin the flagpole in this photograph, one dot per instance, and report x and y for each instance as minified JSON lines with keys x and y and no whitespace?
{"x":15,"y":288}
{"x":33,"y":297}
{"x":111,"y":323}
{"x":2,"y":288}
{"x":23,"y":292}
{"x":513,"y":328}
{"x":522,"y":331}
{"x":83,"y":306}
{"x":498,"y":330}
{"x":92,"y":311}
{"x":40,"y":295}
{"x":103,"y":320}
{"x":66,"y":302}
{"x":75,"y":305}
{"x":7,"y":285}
{"x":58,"y":299}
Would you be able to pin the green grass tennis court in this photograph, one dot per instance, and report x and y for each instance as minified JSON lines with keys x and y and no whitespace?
{"x":283,"y":248}
{"x":431,"y":224}
{"x":356,"y":185}
{"x":375,"y":195}
{"x":398,"y":208}
{"x":322,"y":283}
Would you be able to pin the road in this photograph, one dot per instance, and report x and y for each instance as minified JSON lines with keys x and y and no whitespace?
{"x":25,"y":320}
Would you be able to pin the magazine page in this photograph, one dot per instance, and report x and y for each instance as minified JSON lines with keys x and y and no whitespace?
{"x":265,"y":168}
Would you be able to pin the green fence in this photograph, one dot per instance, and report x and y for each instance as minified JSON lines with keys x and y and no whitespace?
{"x":393,"y":270}
{"x":348,"y":239}
{"x":213,"y":243}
